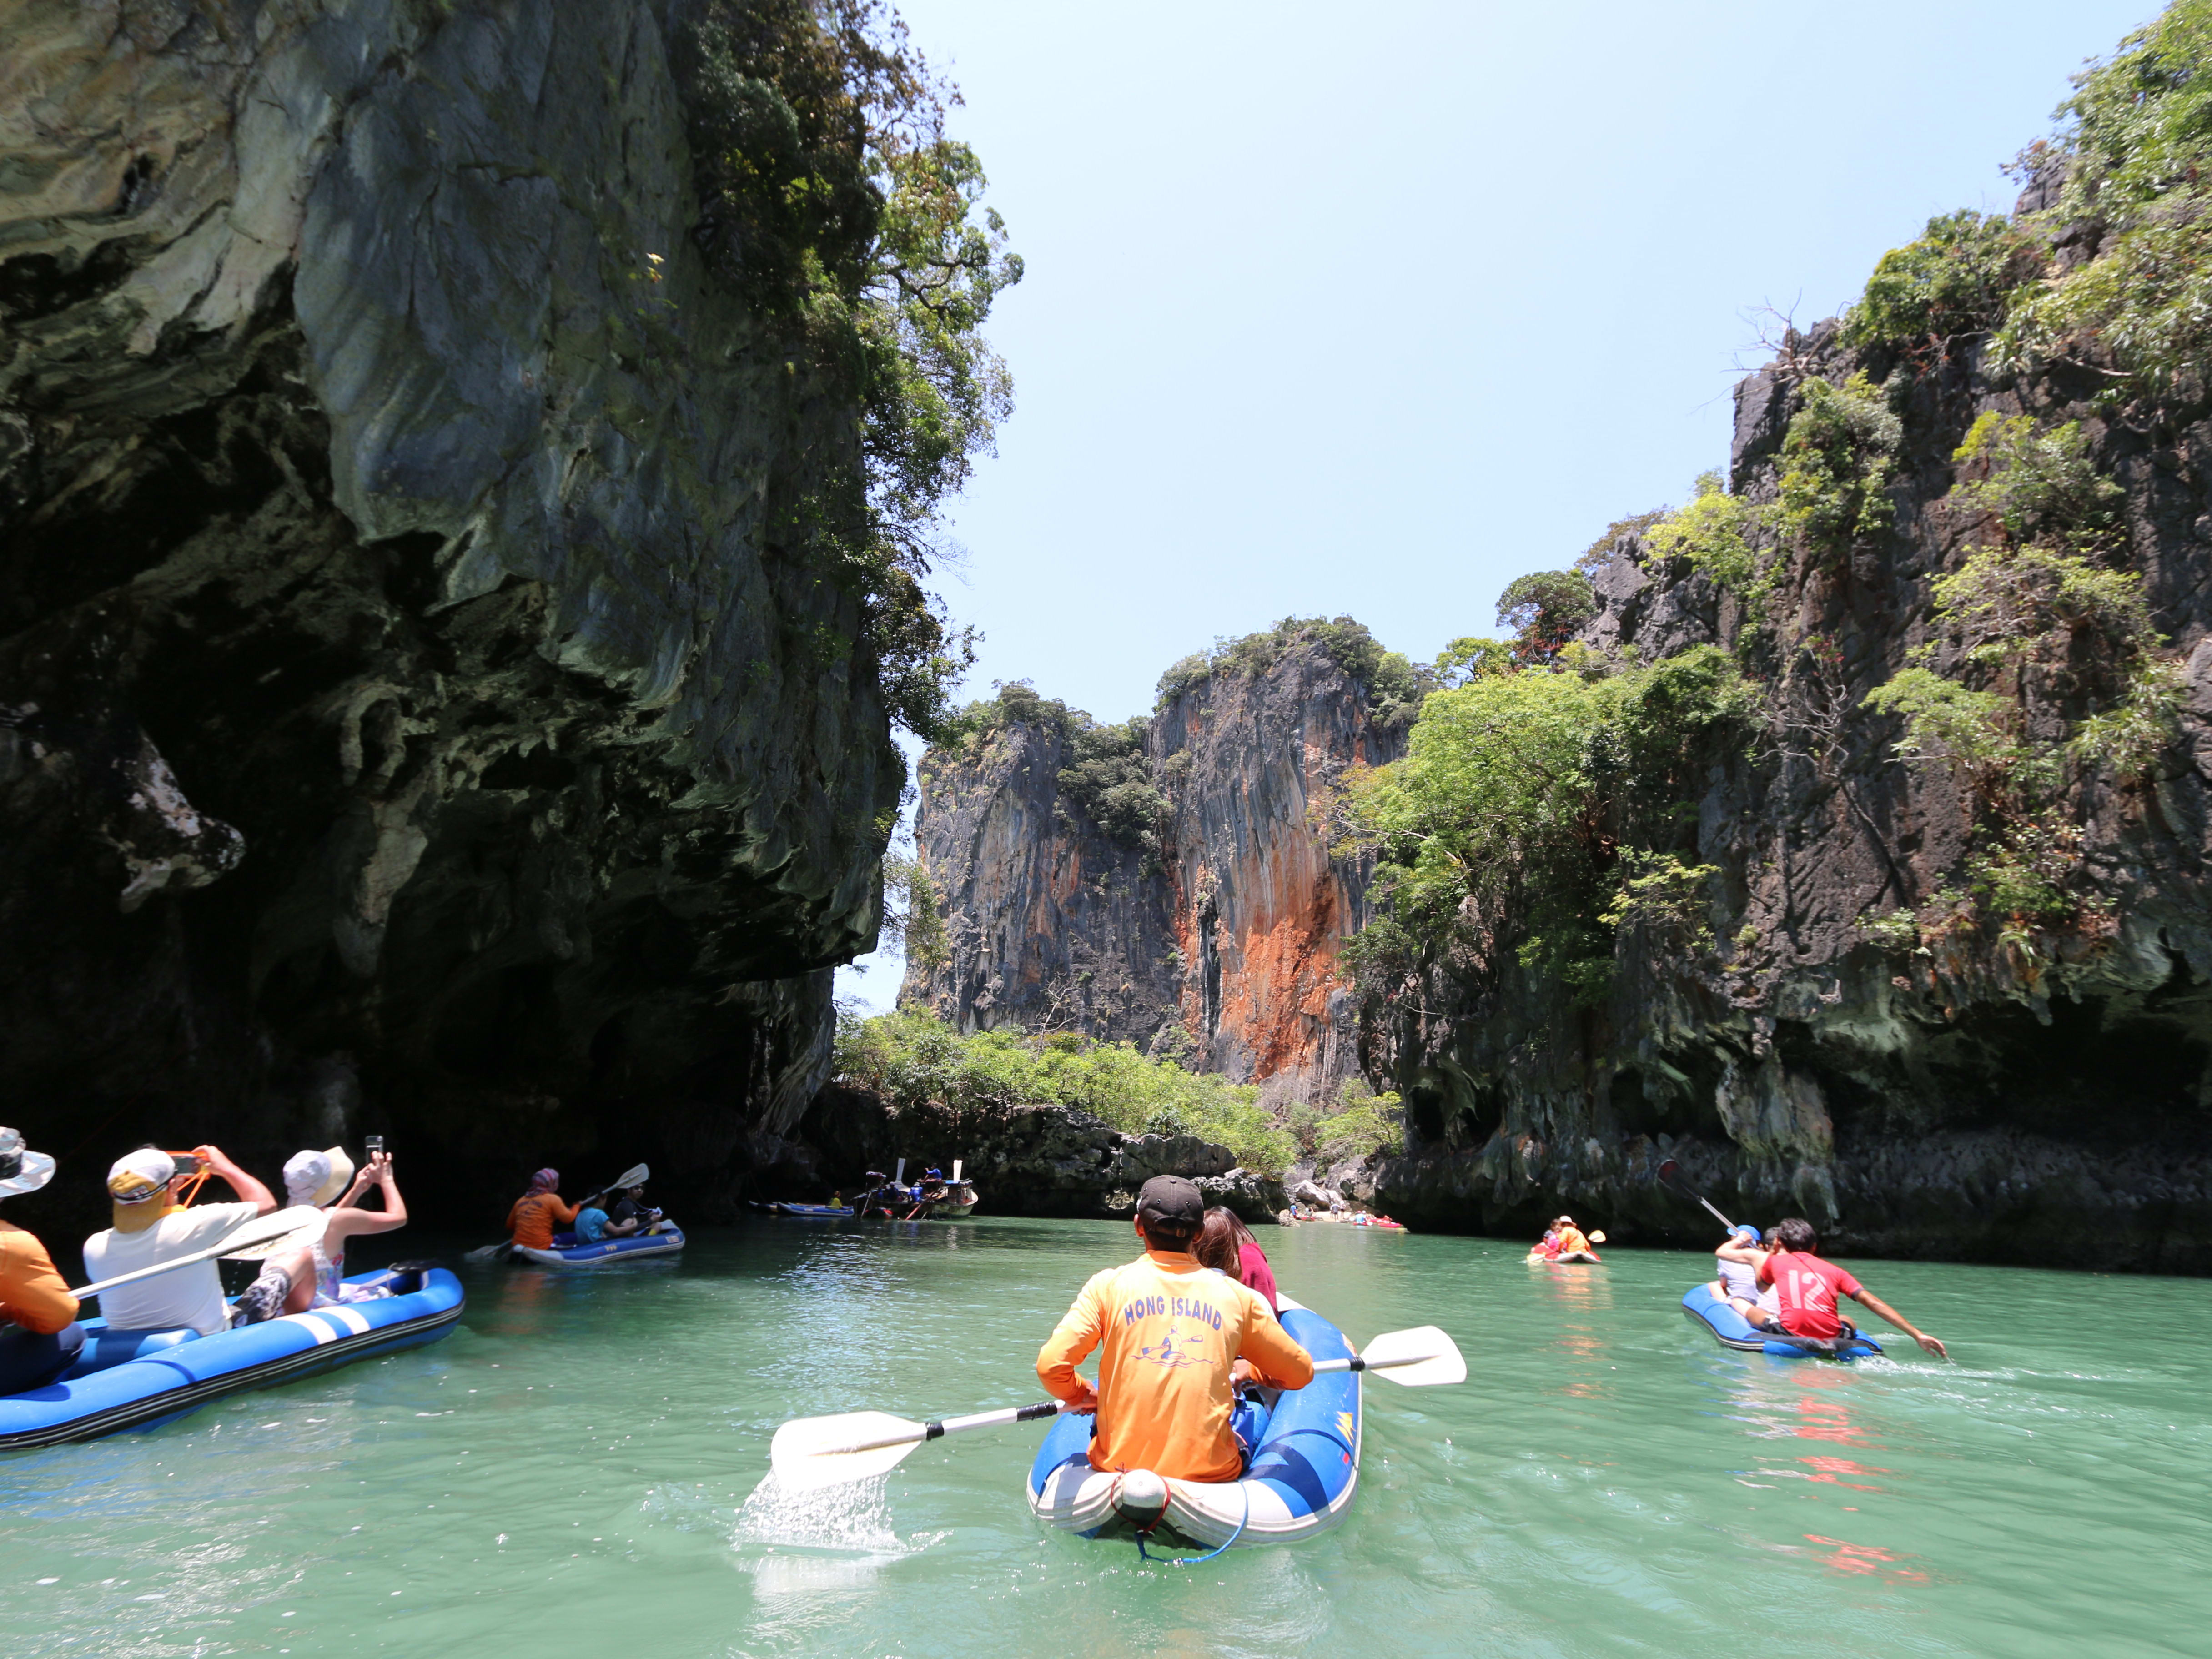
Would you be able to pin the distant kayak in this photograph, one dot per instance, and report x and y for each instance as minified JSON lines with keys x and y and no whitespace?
{"x":830,"y":1209}
{"x":1732,"y":1330}
{"x":1569,"y":1258}
{"x":137,"y":1379}
{"x":1303,"y":1472}
{"x":636,"y":1247}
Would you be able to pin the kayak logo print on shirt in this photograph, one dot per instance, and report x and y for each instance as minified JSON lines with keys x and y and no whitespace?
{"x":1174,"y":1349}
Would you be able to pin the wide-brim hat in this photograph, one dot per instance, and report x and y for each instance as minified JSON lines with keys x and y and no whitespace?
{"x":338,"y":1175}
{"x":27,"y":1170}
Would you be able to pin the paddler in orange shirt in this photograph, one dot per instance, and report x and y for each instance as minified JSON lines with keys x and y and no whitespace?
{"x":530,"y":1222}
{"x":39,"y":1337}
{"x":1177,"y":1338}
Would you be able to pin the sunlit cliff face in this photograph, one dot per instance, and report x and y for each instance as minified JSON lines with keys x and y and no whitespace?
{"x":1217,"y":940}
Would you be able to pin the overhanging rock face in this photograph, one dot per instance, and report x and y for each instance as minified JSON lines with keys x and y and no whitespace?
{"x":404,"y":718}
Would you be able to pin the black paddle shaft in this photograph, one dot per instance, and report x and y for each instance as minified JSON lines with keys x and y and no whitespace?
{"x":1670,"y":1175}
{"x":1026,"y":1414}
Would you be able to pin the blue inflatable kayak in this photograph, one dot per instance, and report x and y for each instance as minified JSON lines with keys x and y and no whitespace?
{"x":137,"y":1379}
{"x":635,"y":1246}
{"x":1304,"y":1466}
{"x":1702,"y":1307}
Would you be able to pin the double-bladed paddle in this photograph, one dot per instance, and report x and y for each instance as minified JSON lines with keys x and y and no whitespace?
{"x":633,"y":1176}
{"x":811,"y":1452}
{"x":302,"y":1219}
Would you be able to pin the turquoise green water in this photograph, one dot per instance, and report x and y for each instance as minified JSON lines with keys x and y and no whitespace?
{"x":569,"y":1474}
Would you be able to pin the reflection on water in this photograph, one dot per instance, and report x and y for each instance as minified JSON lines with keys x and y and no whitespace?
{"x":585,"y":1463}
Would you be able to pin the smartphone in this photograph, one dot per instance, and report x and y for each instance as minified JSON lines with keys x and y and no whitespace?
{"x":374,"y":1144}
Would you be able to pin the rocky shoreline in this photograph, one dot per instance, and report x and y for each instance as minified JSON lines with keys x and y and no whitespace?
{"x":1046,"y":1160}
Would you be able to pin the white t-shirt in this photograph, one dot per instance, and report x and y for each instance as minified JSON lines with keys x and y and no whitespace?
{"x":184,"y":1296}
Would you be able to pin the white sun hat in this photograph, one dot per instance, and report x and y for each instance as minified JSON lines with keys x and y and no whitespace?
{"x":21,"y":1170}
{"x":317,"y":1178}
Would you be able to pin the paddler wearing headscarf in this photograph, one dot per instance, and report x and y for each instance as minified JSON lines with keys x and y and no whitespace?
{"x":39,"y":1337}
{"x":529,"y":1224}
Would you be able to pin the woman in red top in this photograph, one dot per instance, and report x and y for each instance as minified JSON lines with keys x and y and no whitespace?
{"x":1226,"y":1244}
{"x":1809,"y":1288}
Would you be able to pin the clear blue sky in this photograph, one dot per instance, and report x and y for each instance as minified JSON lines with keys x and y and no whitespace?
{"x":1331,"y":311}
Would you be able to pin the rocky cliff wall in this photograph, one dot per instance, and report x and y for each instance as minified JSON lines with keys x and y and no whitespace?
{"x":1953,"y":1083}
{"x":405,"y":721}
{"x":1215,"y":936}
{"x":1050,"y":923}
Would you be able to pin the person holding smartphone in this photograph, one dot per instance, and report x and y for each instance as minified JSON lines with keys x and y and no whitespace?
{"x":150,"y":1227}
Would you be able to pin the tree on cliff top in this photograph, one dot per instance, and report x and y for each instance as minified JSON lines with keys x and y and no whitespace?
{"x":832,"y":199}
{"x":1544,"y":610}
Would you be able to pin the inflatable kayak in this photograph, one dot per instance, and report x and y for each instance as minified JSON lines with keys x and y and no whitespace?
{"x":1702,"y":1307}
{"x":635,"y":1247}
{"x":1569,"y":1258}
{"x":1304,"y":1466}
{"x":137,"y":1379}
{"x":806,"y":1209}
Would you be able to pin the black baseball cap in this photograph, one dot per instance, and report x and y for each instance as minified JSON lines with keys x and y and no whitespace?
{"x":1173,"y":1200}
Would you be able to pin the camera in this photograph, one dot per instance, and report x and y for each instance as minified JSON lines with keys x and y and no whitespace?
{"x":372,"y":1144}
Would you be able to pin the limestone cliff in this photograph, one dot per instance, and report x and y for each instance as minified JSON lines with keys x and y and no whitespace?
{"x":409,"y":723}
{"x":1857,"y":1043}
{"x":1210,"y":930}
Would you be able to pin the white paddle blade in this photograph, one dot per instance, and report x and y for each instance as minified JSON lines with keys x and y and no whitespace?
{"x":1596,"y":1238}
{"x":829,"y":1451}
{"x":276,"y":1233}
{"x":1423,"y":1358}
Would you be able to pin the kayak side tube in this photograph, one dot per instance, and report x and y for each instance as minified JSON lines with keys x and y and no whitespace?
{"x":171,"y":1378}
{"x":635,"y":1248}
{"x":1732,"y":1330}
{"x":1303,"y":1472}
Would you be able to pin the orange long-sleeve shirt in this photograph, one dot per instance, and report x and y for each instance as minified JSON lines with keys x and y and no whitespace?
{"x":1172,"y":1329}
{"x":32,"y":1294}
{"x":531,"y":1221}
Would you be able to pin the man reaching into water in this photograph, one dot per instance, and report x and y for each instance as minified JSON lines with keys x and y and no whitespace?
{"x":1806,"y":1287}
{"x":1174,"y":1332}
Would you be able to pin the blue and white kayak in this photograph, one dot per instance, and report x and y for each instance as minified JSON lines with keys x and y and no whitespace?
{"x":137,"y":1379}
{"x":634,"y":1247}
{"x":1304,"y":1466}
{"x":831,"y":1210}
{"x":1732,"y":1330}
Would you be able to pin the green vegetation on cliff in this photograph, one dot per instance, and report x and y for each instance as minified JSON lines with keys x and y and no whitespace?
{"x":1543,"y":811}
{"x":835,"y":204}
{"x":2134,"y":159}
{"x":1395,"y":684}
{"x":911,"y":1057}
{"x":1103,"y":770}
